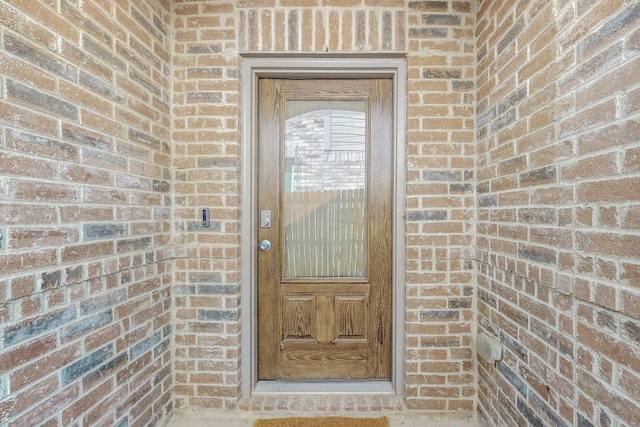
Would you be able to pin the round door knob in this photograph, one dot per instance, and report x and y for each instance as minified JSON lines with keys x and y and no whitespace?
{"x":265,"y":245}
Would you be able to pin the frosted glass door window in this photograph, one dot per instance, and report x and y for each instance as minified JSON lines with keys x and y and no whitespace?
{"x":325,"y":188}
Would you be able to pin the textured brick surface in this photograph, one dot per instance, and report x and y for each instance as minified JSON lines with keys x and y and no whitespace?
{"x":120,"y":119}
{"x":439,"y":39}
{"x":84,"y":175}
{"x":556,"y":262}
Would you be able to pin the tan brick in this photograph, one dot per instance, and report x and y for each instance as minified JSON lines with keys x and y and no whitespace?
{"x":38,"y":237}
{"x":256,"y":3}
{"x":608,"y":243}
{"x":619,"y":190}
{"x":603,"y":87}
{"x":265,"y":21}
{"x":592,"y":167}
{"x":632,"y":101}
{"x":607,"y":136}
{"x":279,"y":30}
{"x":307,"y":33}
{"x":631,"y":160}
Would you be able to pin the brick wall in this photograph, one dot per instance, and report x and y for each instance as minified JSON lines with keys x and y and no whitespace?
{"x":84,"y":212}
{"x":558,"y":185}
{"x":440,"y":200}
{"x":440,"y":40}
{"x":206,"y":174}
{"x":119,"y":120}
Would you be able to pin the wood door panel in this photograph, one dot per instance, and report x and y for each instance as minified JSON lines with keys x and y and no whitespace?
{"x":351,"y":314}
{"x":311,"y":325}
{"x":341,"y":317}
{"x":299,"y":317}
{"x":321,"y":364}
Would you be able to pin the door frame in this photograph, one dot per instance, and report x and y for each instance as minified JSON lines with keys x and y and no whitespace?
{"x":310,"y":66}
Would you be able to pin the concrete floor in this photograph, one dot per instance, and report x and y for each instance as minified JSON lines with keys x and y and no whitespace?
{"x":208,"y":418}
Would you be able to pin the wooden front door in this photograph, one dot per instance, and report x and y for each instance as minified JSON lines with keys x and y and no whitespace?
{"x":325,"y":168}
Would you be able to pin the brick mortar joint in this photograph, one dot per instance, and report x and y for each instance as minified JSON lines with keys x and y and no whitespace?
{"x":519,"y":276}
{"x":85,"y":282}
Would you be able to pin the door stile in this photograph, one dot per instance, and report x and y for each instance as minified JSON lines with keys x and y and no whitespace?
{"x":380,"y":224}
{"x":268,"y":199}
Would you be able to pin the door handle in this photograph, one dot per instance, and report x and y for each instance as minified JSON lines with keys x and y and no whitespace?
{"x":265,"y":245}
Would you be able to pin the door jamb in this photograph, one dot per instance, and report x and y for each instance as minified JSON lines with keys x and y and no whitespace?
{"x":255,"y":66}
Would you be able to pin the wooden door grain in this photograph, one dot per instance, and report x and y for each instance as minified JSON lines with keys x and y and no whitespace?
{"x":324,"y":302}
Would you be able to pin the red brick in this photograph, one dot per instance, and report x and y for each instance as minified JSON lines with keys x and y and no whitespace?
{"x":608,"y":345}
{"x":41,"y":146}
{"x":30,"y":305}
{"x":632,"y":102}
{"x":12,"y":358}
{"x":591,"y":117}
{"x":605,"y":296}
{"x":106,"y":406}
{"x":613,"y":190}
{"x":41,"y":191}
{"x":86,"y":175}
{"x":619,"y":79}
{"x":11,"y":264}
{"x":84,"y":252}
{"x":591,"y":167}
{"x":81,"y":405}
{"x":38,"y":237}
{"x":35,"y":370}
{"x":620,"y":405}
{"x":632,"y":160}
{"x":47,"y":407}
{"x":33,"y":395}
{"x":630,"y":382}
{"x":630,"y":274}
{"x":612,"y":135}
{"x":22,"y":287}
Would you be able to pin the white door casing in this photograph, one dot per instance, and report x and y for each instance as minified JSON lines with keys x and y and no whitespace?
{"x":253,"y":67}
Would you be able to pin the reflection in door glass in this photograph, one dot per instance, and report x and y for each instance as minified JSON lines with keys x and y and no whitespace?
{"x":325,"y":188}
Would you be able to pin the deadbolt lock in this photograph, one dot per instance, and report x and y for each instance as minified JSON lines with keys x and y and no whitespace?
{"x":265,"y":219}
